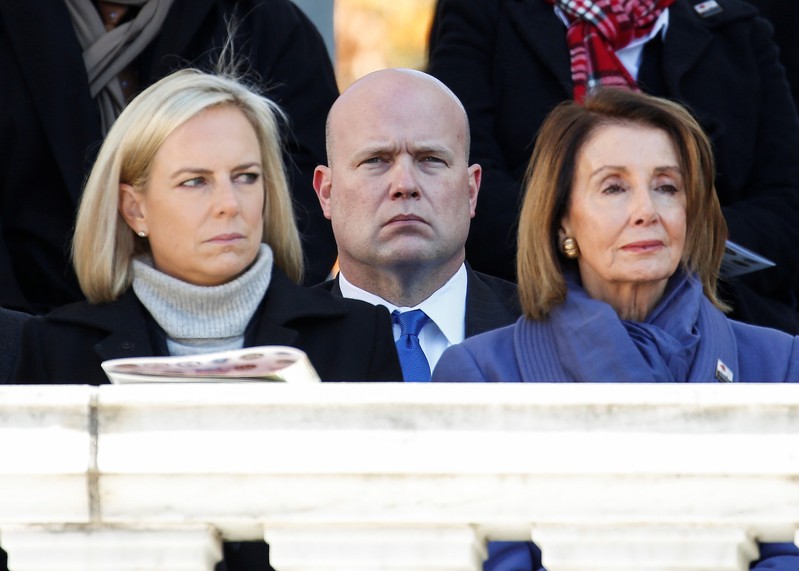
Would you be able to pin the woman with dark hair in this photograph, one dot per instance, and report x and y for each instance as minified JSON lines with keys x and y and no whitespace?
{"x":620,"y":241}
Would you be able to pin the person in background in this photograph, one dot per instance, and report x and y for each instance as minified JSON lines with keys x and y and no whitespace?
{"x":620,"y":240}
{"x":400,"y":193}
{"x":512,"y":62}
{"x":70,"y":66}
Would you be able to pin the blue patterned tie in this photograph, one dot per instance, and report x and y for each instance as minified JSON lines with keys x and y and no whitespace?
{"x":414,"y":364}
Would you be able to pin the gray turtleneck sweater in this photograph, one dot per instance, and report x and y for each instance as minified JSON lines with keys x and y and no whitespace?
{"x":202,"y":319}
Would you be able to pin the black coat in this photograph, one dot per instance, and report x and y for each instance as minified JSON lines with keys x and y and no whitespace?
{"x":491,"y":302}
{"x":346,"y":340}
{"x":50,"y":126}
{"x":10,"y":334}
{"x":507,"y":60}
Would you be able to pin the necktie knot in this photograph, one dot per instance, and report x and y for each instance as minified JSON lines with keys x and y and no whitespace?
{"x":412,"y":359}
{"x":411,"y":322}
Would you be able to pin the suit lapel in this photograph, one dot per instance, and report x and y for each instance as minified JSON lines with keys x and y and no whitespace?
{"x":485,"y":310}
{"x":544,"y":34}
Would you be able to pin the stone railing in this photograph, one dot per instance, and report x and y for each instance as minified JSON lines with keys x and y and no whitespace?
{"x":396,"y":477}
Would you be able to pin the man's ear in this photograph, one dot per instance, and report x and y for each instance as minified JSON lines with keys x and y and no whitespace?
{"x":323,"y":184}
{"x":131,"y":209}
{"x":475,"y":178}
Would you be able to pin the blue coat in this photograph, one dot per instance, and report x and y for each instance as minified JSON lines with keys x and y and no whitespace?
{"x":500,"y":356}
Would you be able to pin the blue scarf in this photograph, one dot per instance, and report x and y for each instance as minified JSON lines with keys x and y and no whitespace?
{"x":682,"y":340}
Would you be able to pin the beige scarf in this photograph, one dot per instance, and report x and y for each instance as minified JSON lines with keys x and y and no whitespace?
{"x":105,"y":54}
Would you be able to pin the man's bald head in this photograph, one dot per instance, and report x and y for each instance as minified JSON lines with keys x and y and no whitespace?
{"x":387,"y":87}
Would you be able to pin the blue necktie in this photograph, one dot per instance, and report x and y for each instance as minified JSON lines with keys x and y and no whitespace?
{"x":412,"y":360}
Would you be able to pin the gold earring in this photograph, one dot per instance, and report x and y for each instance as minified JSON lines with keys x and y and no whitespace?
{"x":569,"y":248}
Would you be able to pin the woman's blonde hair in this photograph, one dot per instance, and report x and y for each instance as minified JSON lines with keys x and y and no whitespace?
{"x":104,"y":244}
{"x":550,"y":175}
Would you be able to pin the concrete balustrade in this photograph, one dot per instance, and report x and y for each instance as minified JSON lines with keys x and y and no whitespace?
{"x":397,"y":477}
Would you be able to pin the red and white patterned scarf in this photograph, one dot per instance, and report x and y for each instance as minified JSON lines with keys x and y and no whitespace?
{"x":597,"y":28}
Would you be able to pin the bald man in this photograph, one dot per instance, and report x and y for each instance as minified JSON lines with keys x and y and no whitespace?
{"x":400,"y":194}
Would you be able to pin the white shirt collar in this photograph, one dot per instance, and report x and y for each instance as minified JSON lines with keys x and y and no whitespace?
{"x":660,"y":27}
{"x":448,"y":315}
{"x":446,"y":308}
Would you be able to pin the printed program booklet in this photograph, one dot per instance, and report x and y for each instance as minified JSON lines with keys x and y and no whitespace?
{"x":739,"y":260}
{"x":268,"y":363}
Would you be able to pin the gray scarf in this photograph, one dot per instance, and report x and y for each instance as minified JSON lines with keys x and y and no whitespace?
{"x":105,"y":54}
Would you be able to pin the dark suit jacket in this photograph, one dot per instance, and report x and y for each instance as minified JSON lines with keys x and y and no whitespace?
{"x":10,"y":335}
{"x":507,"y":60}
{"x":50,"y":126}
{"x":345,"y":340}
{"x":491,"y":302}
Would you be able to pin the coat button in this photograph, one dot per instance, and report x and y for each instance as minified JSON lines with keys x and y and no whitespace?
{"x":126,"y":346}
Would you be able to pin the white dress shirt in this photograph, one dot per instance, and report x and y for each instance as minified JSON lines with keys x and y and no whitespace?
{"x":446,"y":309}
{"x":631,"y":55}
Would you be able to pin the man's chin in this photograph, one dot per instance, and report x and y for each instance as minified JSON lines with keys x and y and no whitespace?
{"x":410,"y":258}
